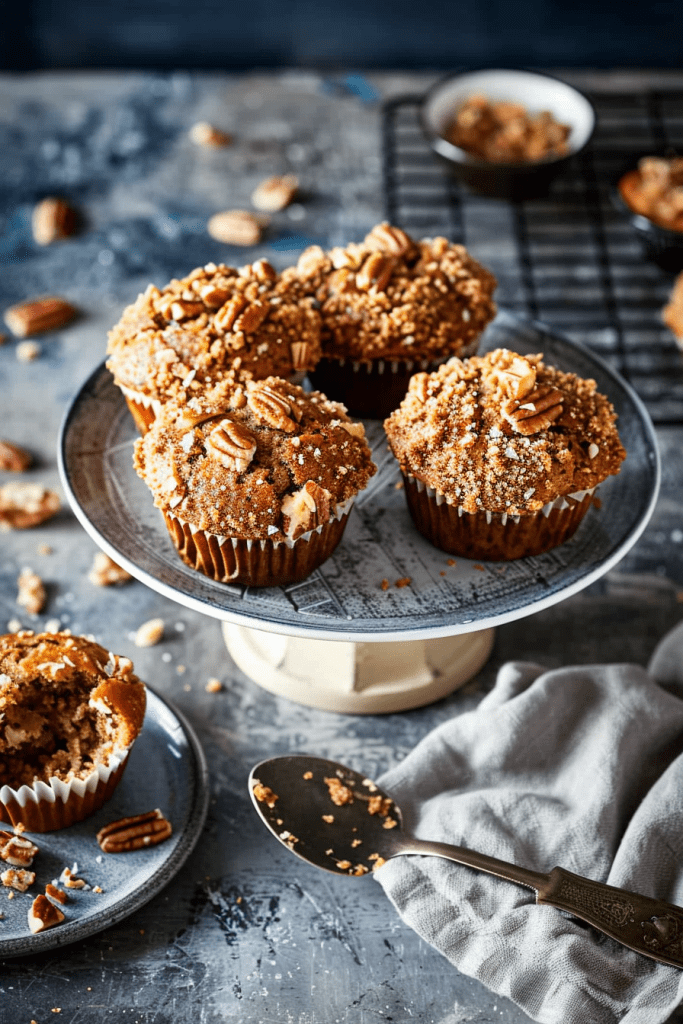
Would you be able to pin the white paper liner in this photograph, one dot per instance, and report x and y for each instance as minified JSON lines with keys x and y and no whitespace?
{"x":144,"y":400}
{"x":56,"y":788}
{"x":558,"y":503}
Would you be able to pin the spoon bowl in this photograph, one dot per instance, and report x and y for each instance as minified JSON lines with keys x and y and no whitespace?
{"x":341,"y":821}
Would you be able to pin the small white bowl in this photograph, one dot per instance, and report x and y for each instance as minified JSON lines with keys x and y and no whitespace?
{"x":536,"y":92}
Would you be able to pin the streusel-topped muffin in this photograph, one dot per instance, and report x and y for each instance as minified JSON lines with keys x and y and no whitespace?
{"x":216,"y":321}
{"x":69,"y":713}
{"x":501,"y":453}
{"x":255,"y":480}
{"x":391,"y":306}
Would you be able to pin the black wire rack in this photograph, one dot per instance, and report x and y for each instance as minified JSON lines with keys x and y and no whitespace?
{"x":571,"y":259}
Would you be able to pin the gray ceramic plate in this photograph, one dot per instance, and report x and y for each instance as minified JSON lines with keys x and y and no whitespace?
{"x":343,"y":599}
{"x":166,"y":769}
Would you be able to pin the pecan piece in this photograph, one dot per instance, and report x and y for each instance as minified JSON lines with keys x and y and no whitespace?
{"x":204,"y":134}
{"x":18,"y":879}
{"x":236,"y":227}
{"x":183,"y":309}
{"x":37,"y":315}
{"x":376,"y":271}
{"x":305,"y":509}
{"x":535,"y":411}
{"x":275,"y":193}
{"x":43,"y":914}
{"x":52,"y":220}
{"x":518,"y":379}
{"x":16,"y":850}
{"x":253,"y":316}
{"x":149,"y":633}
{"x":31,"y":594}
{"x":227,"y":314}
{"x":231,"y":444}
{"x":105,"y":572}
{"x":299,"y":350}
{"x":13,"y":458}
{"x":271,"y":407}
{"x":390,"y":239}
{"x":23,"y":505}
{"x":264,"y":270}
{"x":56,"y":894}
{"x":135,"y":832}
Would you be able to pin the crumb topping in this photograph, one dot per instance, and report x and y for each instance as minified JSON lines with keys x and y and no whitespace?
{"x":655,"y":190}
{"x":215,"y":321}
{"x":65,"y":704}
{"x":506,"y":132}
{"x":505,"y":433}
{"x":393,"y":298}
{"x":261,"y":460}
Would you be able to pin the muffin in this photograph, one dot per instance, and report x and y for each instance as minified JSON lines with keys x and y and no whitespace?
{"x":216,"y":321}
{"x":501,"y":454}
{"x":69,"y":714}
{"x":256,"y":480}
{"x":672,"y":314}
{"x":391,"y":306}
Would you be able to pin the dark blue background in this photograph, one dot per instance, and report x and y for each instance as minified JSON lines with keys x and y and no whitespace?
{"x":224,"y":34}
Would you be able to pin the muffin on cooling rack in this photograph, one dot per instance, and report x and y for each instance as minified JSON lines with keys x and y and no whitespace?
{"x":255,"y":480}
{"x":69,"y":714}
{"x":391,"y":306}
{"x":216,"y":321}
{"x":501,"y":454}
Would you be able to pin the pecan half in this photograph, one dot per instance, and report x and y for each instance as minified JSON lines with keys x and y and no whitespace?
{"x":231,"y":444}
{"x":390,"y":239}
{"x":52,"y":220}
{"x":275,"y":193}
{"x":135,"y":832}
{"x":376,"y":271}
{"x":16,"y":850}
{"x":535,"y":411}
{"x":305,"y":509}
{"x":271,"y":407}
{"x":37,"y":315}
{"x":23,"y":505}
{"x":236,"y":227}
{"x":227,"y":314}
{"x":43,"y":914}
{"x":13,"y":458}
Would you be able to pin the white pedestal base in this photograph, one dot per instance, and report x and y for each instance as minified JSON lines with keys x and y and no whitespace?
{"x":358,"y":678}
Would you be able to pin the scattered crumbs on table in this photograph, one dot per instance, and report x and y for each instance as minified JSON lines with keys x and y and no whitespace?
{"x":385,"y":584}
{"x":180,"y":669}
{"x":308,"y":775}
{"x":187,"y":687}
{"x":479,"y":568}
{"x":142,"y":931}
{"x":167,"y":656}
{"x":13,"y":626}
{"x":450,"y":561}
{"x":213,"y":685}
{"x":442,"y":572}
{"x":27,"y":351}
{"x":179,"y":627}
{"x":329,"y":818}
{"x":398,"y":486}
{"x":149,"y":633}
{"x":404,"y":581}
{"x":44,"y":549}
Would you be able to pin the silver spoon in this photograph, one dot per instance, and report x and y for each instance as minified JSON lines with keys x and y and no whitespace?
{"x":342,"y":822}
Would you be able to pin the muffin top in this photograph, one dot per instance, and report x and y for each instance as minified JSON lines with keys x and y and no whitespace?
{"x":66,"y":704}
{"x":505,"y":433}
{"x":216,"y":320}
{"x":256,"y":460}
{"x":390,"y":297}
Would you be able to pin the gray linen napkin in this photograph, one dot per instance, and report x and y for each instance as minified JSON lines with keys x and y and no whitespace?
{"x":578,"y":767}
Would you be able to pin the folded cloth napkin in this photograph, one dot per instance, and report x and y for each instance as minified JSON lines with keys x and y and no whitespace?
{"x":578,"y":767}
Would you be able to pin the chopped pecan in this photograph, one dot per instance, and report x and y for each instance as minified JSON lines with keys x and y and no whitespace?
{"x":252,"y":317}
{"x":18,"y":879}
{"x":236,"y":227}
{"x":135,"y":832}
{"x":265,"y":795}
{"x":149,"y":633}
{"x":56,"y":894}
{"x":27,"y":351}
{"x":23,"y":505}
{"x":271,"y":407}
{"x":305,"y":509}
{"x":339,"y":793}
{"x":299,"y":350}
{"x":52,"y":220}
{"x":32,"y":594}
{"x":518,"y":379}
{"x":275,"y":193}
{"x":105,"y":572}
{"x":43,"y":914}
{"x":231,"y":444}
{"x":227,"y":314}
{"x":535,"y":411}
{"x":204,"y":134}
{"x":264,"y":270}
{"x":183,"y":309}
{"x":376,"y":271}
{"x":213,"y":296}
{"x":16,"y":850}
{"x":390,"y":239}
{"x":37,"y":315}
{"x":13,"y":458}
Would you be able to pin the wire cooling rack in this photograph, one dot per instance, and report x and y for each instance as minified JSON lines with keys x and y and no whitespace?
{"x":569,"y":259}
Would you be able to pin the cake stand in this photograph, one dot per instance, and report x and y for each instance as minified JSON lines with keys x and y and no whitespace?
{"x":343,"y":639}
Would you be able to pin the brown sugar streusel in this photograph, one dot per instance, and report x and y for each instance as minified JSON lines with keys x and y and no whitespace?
{"x":505,"y":433}
{"x":216,"y":320}
{"x":390,"y":297}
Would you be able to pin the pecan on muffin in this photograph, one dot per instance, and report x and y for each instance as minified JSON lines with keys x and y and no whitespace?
{"x":69,"y":713}
{"x":501,"y":454}
{"x":255,"y":480}
{"x":391,"y":306}
{"x":216,"y":321}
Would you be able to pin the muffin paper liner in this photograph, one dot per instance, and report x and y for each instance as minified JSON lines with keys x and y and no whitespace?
{"x":373,"y":387}
{"x":493,"y":536}
{"x":143,"y":409}
{"x":46,"y":806}
{"x":257,"y":563}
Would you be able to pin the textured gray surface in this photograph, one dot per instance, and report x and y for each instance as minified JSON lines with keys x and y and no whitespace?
{"x":245,"y":932}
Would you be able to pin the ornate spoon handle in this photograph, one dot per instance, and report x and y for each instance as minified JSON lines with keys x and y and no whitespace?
{"x":648,"y":926}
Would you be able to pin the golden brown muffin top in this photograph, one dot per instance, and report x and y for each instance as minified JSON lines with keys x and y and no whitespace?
{"x":260,"y":460}
{"x":66,"y":704}
{"x":216,"y":320}
{"x":505,"y":433}
{"x":390,"y":297}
